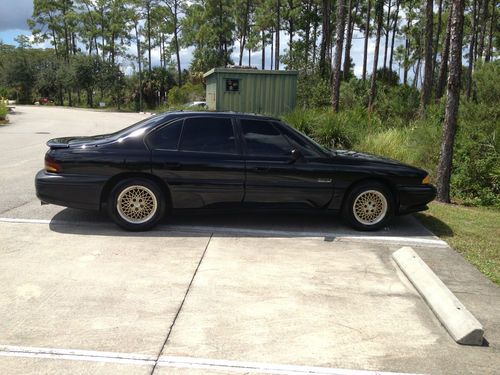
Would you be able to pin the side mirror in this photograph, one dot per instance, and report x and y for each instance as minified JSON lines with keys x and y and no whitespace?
{"x":295,"y":155}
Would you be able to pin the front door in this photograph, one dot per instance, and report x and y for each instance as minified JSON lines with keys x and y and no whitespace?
{"x":273,"y":178}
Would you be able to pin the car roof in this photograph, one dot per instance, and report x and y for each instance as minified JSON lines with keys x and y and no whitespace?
{"x":180,"y":114}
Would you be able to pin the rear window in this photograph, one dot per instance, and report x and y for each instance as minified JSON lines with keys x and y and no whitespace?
{"x":167,"y":138}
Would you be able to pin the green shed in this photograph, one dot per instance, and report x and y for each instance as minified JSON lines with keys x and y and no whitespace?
{"x":271,"y":92}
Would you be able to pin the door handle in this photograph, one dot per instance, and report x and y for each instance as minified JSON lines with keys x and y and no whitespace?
{"x":172,"y":165}
{"x":261,"y":169}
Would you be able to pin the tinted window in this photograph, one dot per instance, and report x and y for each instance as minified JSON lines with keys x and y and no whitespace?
{"x":167,"y":137}
{"x":307,"y":148}
{"x":206,"y":134}
{"x":262,"y":138}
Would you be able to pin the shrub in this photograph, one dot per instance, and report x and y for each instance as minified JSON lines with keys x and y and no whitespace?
{"x":186,"y":93}
{"x":487,"y":83}
{"x":3,"y":111}
{"x":476,"y":162}
{"x":313,"y":92}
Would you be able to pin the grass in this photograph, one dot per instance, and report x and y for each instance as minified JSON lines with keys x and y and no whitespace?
{"x":472,"y":231}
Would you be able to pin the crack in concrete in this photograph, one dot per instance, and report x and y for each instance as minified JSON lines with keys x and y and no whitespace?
{"x":180,"y":306}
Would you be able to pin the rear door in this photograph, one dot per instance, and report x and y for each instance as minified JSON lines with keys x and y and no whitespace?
{"x":272,"y":178}
{"x":200,"y":160}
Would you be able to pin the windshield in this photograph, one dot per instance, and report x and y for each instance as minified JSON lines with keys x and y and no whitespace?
{"x":319,"y":147}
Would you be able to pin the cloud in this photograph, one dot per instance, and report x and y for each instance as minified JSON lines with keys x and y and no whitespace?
{"x":13,"y":15}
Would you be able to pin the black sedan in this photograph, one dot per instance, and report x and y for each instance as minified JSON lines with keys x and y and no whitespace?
{"x":210,"y":160}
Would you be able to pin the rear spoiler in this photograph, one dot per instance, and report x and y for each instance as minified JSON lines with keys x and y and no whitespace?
{"x":58,"y":143}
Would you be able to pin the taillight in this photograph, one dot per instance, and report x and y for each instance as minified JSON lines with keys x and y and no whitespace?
{"x":51,"y":165}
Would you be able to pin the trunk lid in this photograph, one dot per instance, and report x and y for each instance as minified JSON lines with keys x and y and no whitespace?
{"x":67,"y":142}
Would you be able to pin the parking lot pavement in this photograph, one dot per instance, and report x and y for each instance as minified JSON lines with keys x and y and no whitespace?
{"x":24,"y":366}
{"x":214,"y":294}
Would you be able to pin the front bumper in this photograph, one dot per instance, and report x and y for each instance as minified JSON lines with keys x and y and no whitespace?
{"x":415,"y":198}
{"x":76,"y":191}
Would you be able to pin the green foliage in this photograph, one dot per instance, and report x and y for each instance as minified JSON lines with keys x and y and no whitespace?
{"x":3,"y":111}
{"x":476,"y":171}
{"x":486,"y":79}
{"x":187,"y":93}
{"x":395,"y":130}
{"x":313,"y":91}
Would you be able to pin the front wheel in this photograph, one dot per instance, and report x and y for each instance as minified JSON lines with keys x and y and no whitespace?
{"x":369,"y":206}
{"x":136,"y":204}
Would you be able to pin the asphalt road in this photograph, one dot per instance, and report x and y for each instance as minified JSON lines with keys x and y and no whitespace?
{"x":213,"y":294}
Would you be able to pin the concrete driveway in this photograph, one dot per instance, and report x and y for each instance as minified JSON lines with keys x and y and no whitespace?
{"x":213,"y":294}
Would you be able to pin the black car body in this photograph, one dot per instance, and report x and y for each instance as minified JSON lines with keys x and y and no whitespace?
{"x":205,"y":160}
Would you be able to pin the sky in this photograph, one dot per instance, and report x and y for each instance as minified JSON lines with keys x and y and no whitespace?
{"x":15,"y":13}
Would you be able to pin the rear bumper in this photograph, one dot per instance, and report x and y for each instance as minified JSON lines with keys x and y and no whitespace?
{"x":415,"y":198}
{"x":76,"y":191}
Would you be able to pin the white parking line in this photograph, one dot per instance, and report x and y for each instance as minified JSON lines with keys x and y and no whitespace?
{"x":336,"y":236}
{"x":75,"y":355}
{"x":177,"y":362}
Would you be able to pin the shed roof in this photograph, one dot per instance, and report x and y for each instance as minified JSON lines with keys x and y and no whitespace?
{"x":250,"y":71}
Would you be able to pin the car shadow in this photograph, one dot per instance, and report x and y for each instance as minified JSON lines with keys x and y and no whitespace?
{"x":436,"y":226}
{"x":249,"y":224}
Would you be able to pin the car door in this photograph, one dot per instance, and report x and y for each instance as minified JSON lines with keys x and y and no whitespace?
{"x":273,"y":178}
{"x":200,"y":160}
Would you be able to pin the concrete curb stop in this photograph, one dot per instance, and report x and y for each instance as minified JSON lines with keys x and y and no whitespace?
{"x":458,"y":321}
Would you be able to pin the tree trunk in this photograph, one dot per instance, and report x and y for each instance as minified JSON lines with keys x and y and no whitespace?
{"x":263,"y":50}
{"x":427,"y":86}
{"x":438,"y":36}
{"x":307,"y":35}
{"x":338,"y":54}
{"x":137,"y":36}
{"x":291,"y":29}
{"x":379,"y":11}
{"x":482,"y":32}
{"x":148,"y":12}
{"x":418,"y":69}
{"x":386,"y":45}
{"x":443,"y":69}
{"x":315,"y":36}
{"x":348,"y":43}
{"x":272,"y":49}
{"x":394,"y":28}
{"x":406,"y":63}
{"x":324,"y":52}
{"x":471,"y":51}
{"x":245,"y":28}
{"x":487,"y":56}
{"x":452,"y":102}
{"x":277,"y":49}
{"x":175,"y":16}
{"x":367,"y":36}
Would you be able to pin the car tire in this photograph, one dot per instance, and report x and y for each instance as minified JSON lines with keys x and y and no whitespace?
{"x":136,"y":204}
{"x":368,"y":206}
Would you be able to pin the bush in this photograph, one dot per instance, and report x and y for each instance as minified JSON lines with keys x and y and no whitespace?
{"x":313,"y":92}
{"x":187,"y":93}
{"x":476,"y":162}
{"x":3,"y":111}
{"x":487,"y":83}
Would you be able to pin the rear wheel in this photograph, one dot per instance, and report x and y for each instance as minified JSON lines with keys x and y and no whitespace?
{"x":136,"y":204}
{"x":368,"y":206}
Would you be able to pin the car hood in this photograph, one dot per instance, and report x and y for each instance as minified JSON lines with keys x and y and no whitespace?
{"x":360,"y":156}
{"x":363,"y":158}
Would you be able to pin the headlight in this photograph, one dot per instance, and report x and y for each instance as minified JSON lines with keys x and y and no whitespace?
{"x":426,"y":180}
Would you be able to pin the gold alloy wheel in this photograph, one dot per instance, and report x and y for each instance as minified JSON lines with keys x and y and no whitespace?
{"x":136,"y":204}
{"x":370,"y":207}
